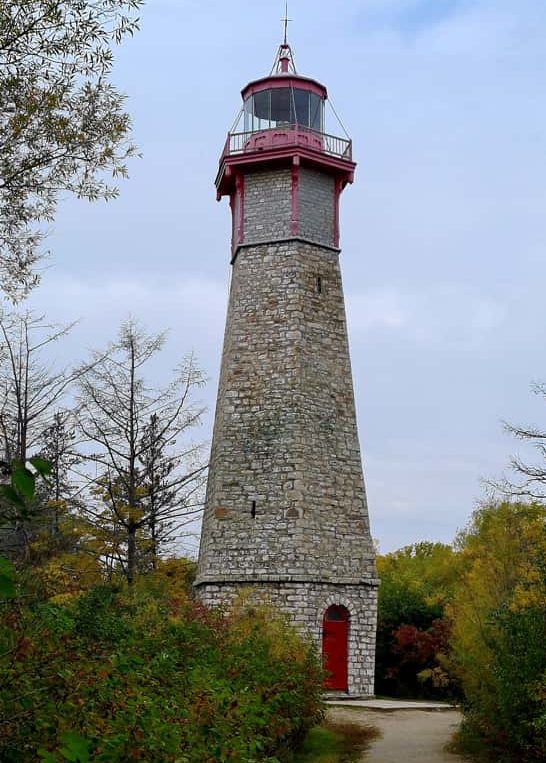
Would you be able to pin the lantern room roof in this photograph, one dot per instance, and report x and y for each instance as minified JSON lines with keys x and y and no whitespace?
{"x":284,"y":80}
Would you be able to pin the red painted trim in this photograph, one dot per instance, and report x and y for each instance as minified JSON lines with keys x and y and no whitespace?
{"x":232,"y":166}
{"x":269,"y":83}
{"x":232,"y":206}
{"x":338,"y":187}
{"x":240,"y":189}
{"x":295,"y":219}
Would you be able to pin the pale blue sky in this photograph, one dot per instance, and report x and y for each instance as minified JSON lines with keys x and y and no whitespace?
{"x":443,"y":233}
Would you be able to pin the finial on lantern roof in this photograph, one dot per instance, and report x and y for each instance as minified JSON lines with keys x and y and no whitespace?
{"x":286,"y":20}
{"x":284,"y":60}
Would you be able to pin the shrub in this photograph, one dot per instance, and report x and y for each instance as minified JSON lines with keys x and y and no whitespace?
{"x":412,"y":634}
{"x":150,"y":675}
{"x":499,"y":626}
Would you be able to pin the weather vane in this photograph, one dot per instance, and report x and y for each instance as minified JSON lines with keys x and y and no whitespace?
{"x":286,"y":20}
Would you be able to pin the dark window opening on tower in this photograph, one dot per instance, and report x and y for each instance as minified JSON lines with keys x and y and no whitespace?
{"x":253,"y":510}
{"x":337,"y":614}
{"x":319,"y":284}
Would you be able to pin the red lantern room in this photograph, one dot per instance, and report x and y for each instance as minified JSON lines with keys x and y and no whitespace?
{"x":283,"y":123}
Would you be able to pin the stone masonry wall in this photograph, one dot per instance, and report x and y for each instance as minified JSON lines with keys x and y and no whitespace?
{"x":305,"y":605}
{"x":316,"y":206}
{"x":285,"y":493}
{"x":286,"y":512}
{"x":268,"y":205}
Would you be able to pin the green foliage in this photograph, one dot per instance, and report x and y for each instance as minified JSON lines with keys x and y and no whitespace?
{"x":148,"y":674}
{"x":63,"y":126}
{"x":20,"y":490}
{"x":7,"y":579}
{"x":412,"y":635}
{"x":336,"y":743}
{"x":17,"y":497}
{"x":323,"y":745}
{"x":499,"y":627}
{"x":42,"y":466}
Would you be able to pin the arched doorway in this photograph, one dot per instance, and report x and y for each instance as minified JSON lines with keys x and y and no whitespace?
{"x":335,"y":647}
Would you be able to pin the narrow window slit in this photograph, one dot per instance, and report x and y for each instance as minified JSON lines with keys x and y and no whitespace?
{"x":319,"y":284}
{"x":253,"y":510}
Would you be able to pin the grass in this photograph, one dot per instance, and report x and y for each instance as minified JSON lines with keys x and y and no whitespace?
{"x":469,"y":745}
{"x":336,"y":743}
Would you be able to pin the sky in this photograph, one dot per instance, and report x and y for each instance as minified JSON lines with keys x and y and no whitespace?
{"x":443,"y":232}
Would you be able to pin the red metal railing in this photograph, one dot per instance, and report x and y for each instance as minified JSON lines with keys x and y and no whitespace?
{"x":289,"y":135}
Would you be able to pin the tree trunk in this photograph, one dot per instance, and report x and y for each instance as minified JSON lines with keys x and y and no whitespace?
{"x":131,"y":554}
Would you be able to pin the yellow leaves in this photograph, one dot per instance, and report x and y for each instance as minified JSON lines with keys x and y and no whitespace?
{"x":250,"y":614}
{"x":503,"y":555}
{"x":436,"y":677}
{"x":65,"y":599}
{"x":133,"y":513}
{"x":174,"y":575}
{"x":427,"y":569}
{"x":68,"y":575}
{"x":503,"y":559}
{"x":60,"y":506}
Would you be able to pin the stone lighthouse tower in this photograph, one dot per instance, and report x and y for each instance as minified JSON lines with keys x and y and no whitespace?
{"x":286,"y":513}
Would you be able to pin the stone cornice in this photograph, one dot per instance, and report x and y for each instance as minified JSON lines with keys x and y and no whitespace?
{"x":259,"y":580}
{"x":284,"y":240}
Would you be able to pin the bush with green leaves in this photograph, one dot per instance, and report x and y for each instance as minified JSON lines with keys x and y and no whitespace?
{"x":412,"y":631}
{"x":150,"y":675}
{"x":499,"y":632}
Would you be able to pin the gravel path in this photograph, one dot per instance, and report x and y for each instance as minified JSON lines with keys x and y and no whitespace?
{"x":407,"y":736}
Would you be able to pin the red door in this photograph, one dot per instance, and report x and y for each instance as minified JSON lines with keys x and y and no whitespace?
{"x":335,"y":648}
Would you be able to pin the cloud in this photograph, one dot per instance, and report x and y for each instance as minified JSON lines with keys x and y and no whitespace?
{"x":194,"y":295}
{"x":438,"y":316}
{"x":192,"y":310}
{"x":407,"y":16}
{"x":378,"y":309}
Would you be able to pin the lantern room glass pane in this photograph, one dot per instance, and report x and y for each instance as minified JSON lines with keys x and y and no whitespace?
{"x":315,"y":112}
{"x":301,"y":107}
{"x":262,"y":110}
{"x":280,"y":106}
{"x":249,"y":107}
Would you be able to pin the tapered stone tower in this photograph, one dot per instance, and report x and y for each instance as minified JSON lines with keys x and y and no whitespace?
{"x":286,"y":513}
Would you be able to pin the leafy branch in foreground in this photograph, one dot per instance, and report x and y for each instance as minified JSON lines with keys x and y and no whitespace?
{"x":16,"y":497}
{"x":63,"y":125}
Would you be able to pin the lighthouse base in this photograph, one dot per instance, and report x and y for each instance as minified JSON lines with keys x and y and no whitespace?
{"x":340,"y":618}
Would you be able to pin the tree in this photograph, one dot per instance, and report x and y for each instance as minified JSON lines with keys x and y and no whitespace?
{"x":31,"y":389}
{"x":59,"y":450}
{"x":139,"y":484}
{"x":31,"y":393}
{"x":532,"y":476}
{"x":168,"y":498}
{"x":62,"y":123}
{"x":498,"y":619}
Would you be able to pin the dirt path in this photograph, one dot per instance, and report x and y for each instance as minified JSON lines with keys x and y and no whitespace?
{"x":407,"y":736}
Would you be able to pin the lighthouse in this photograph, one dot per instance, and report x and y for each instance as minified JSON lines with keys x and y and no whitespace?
{"x":286,"y":516}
